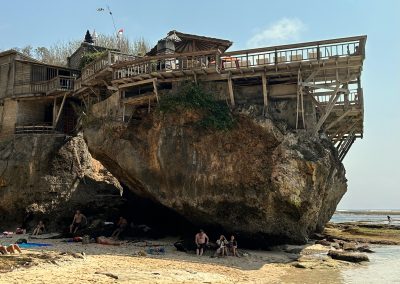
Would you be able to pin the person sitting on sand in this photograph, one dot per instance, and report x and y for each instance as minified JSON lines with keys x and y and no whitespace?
{"x":221,"y":250}
{"x":77,"y":222}
{"x":122,"y":224}
{"x":39,"y":229}
{"x":107,"y":241}
{"x":232,"y":245}
{"x":10,"y":249}
{"x":201,"y":240}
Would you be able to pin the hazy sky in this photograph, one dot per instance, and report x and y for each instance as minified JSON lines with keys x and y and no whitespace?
{"x":372,"y":164}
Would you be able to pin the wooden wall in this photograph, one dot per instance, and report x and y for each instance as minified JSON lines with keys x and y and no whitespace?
{"x":107,"y":108}
{"x":31,"y":111}
{"x":6,"y":75}
{"x":22,"y":78}
{"x":9,"y":117}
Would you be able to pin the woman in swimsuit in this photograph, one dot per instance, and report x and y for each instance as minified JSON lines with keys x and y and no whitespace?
{"x":10,"y":249}
{"x":39,"y":229}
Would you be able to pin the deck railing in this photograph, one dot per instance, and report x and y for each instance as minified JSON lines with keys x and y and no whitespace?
{"x":59,"y":83}
{"x":168,"y":62}
{"x":109,"y":58}
{"x":352,"y":98}
{"x":309,"y":51}
{"x":32,"y":128}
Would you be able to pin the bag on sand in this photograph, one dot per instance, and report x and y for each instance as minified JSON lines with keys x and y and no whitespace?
{"x":85,"y":239}
{"x":21,"y":241}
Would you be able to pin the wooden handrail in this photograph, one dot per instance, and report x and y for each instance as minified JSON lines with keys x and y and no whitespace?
{"x":362,"y":40}
{"x":167,"y":56}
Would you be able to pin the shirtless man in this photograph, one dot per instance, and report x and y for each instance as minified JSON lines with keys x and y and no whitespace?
{"x":77,"y":222}
{"x":121,"y":226}
{"x":201,"y":240}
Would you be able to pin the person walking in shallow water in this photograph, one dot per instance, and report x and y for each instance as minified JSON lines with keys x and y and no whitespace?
{"x":389,"y":219}
{"x":201,"y":240}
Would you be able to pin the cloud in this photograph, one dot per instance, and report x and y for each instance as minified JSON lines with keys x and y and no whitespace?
{"x":279,"y":32}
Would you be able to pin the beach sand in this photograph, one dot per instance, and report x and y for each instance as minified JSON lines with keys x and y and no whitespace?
{"x":123,"y":262}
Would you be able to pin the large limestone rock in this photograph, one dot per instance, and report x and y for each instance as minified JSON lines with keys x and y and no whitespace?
{"x":256,"y":180}
{"x":48,"y":177}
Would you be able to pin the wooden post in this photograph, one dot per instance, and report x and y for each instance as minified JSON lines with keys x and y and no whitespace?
{"x":155,"y":89}
{"x":217,"y":62}
{"x":230,"y":88}
{"x":265,"y":91}
{"x":59,"y":112}
{"x":121,"y":95}
{"x":54,"y":111}
{"x":334,"y":97}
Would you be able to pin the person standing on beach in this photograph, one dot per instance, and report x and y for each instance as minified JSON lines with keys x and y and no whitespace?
{"x":77,"y":222}
{"x":389,"y":219}
{"x":201,"y":240}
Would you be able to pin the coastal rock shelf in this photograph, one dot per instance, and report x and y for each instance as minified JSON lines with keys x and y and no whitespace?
{"x":257,"y":180}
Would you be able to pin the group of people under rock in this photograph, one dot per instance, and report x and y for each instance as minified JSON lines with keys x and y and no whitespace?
{"x":79,"y":221}
{"x":224,"y":247}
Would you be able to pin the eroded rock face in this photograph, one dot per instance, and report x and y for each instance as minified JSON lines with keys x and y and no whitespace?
{"x":48,"y":177}
{"x":256,"y":179}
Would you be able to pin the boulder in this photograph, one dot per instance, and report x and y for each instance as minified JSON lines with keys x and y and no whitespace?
{"x":348,"y":256}
{"x":350,"y":246}
{"x":48,"y":177}
{"x":364,"y":248}
{"x":256,"y":179}
{"x":323,"y":242}
{"x":335,"y":245}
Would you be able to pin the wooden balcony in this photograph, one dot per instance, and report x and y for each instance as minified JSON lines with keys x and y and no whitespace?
{"x":337,"y":57}
{"x":57,"y":85}
{"x":98,"y":67}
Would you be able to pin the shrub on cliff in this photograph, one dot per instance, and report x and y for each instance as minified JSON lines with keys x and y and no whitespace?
{"x":216,"y":114}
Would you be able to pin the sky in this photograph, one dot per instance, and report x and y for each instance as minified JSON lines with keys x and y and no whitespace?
{"x":373,"y":163}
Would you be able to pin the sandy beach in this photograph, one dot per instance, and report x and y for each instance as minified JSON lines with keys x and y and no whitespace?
{"x":123,"y":262}
{"x":130,"y":262}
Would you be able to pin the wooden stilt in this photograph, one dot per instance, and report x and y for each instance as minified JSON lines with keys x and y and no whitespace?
{"x":334,"y":97}
{"x":230,"y":88}
{"x":60,"y":110}
{"x":265,"y":91}
{"x":54,"y":110}
{"x":155,"y":90}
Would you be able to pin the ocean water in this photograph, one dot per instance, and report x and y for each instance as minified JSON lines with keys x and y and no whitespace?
{"x":384,"y":265}
{"x":367,"y":216}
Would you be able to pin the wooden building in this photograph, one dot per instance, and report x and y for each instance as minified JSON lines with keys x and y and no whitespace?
{"x":312,"y":86}
{"x":31,"y":93}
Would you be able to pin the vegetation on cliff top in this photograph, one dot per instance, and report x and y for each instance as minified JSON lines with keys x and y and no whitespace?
{"x":190,"y":96}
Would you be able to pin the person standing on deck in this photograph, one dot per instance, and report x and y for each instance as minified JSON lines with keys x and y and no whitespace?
{"x":201,"y":240}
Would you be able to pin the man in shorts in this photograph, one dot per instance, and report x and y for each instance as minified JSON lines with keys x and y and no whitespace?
{"x":78,"y":222}
{"x":201,"y":240}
